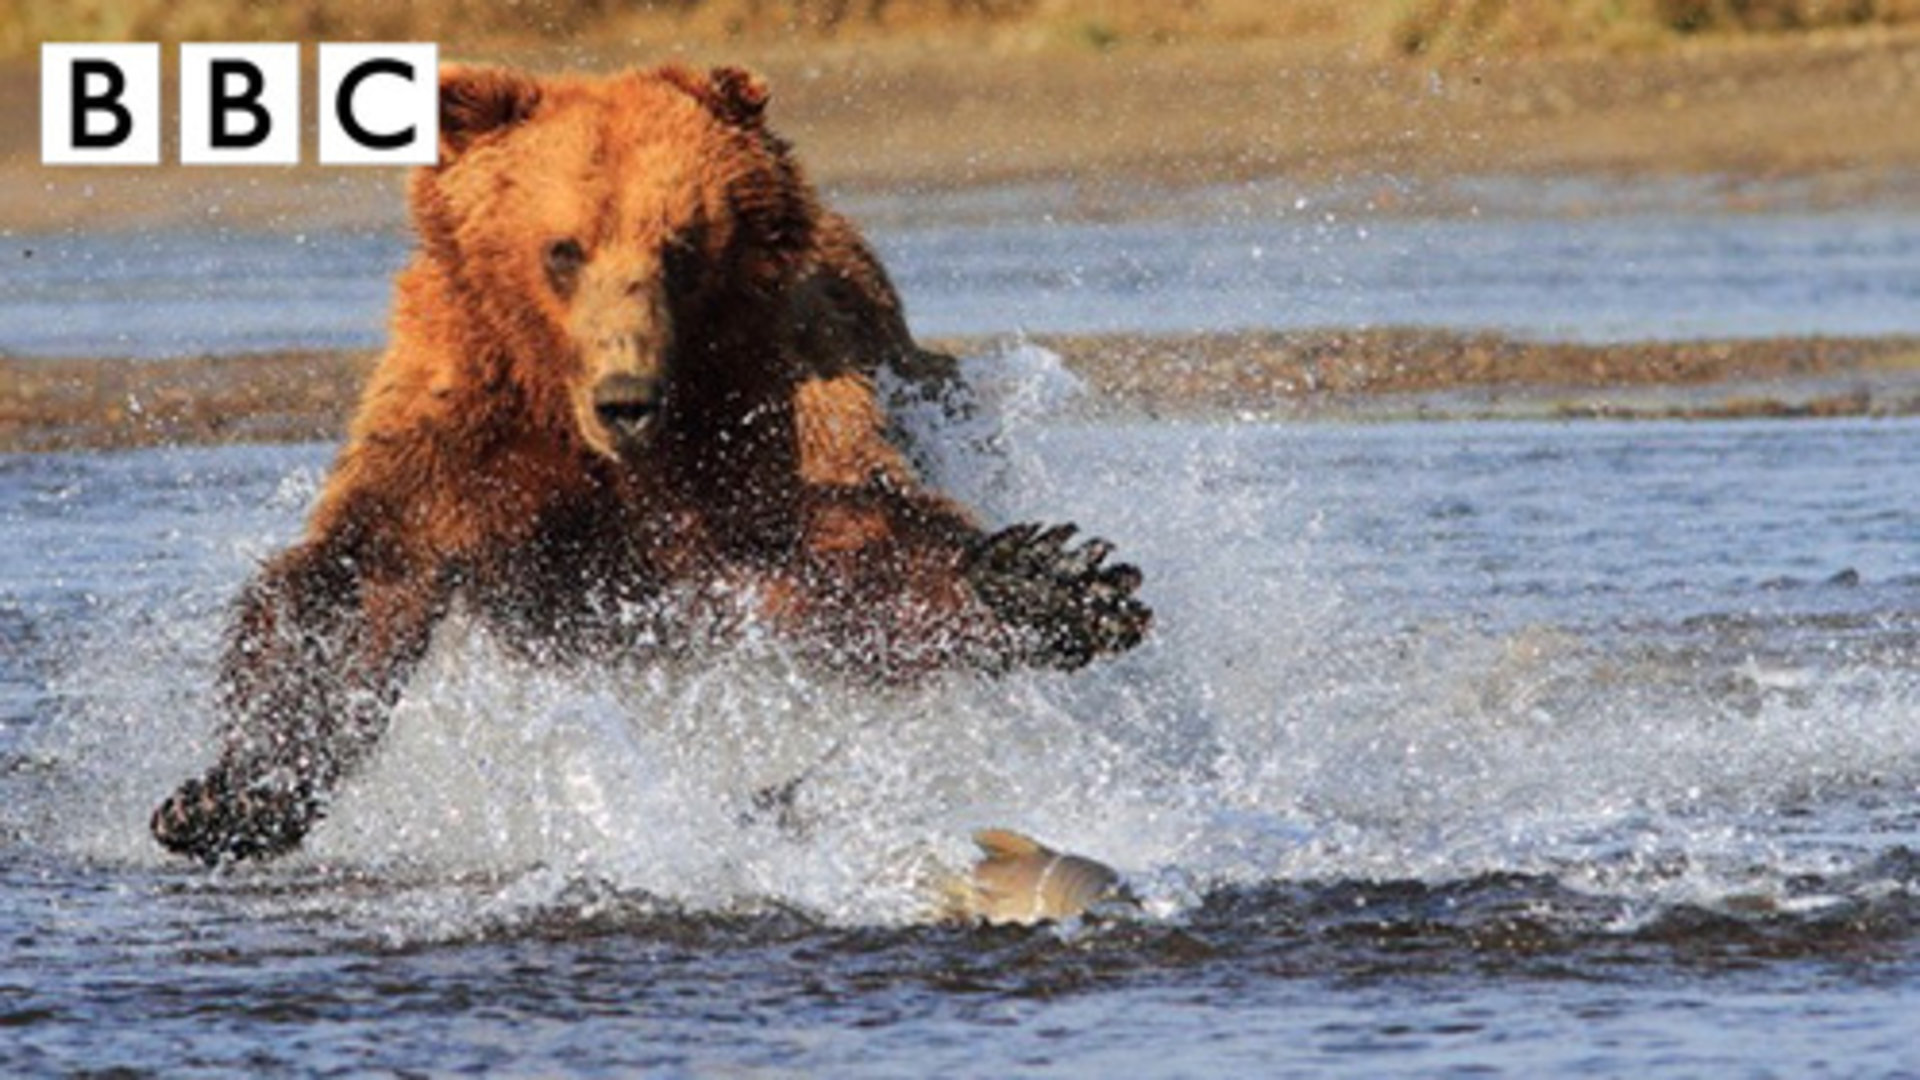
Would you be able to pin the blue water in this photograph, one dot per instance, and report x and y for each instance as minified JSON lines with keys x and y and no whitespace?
{"x":1524,"y":749}
{"x":1623,"y":277}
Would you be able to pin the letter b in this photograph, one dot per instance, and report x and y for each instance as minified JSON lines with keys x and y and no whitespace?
{"x":239,"y":104}
{"x":246,"y":101}
{"x":87,"y":103}
{"x":99,"y":104}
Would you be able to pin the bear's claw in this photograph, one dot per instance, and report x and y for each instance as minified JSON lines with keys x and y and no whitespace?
{"x":1066,"y":603}
{"x":215,"y":819}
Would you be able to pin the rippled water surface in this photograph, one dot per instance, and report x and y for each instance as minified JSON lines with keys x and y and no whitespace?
{"x":1537,"y":750}
{"x":1654,"y":274}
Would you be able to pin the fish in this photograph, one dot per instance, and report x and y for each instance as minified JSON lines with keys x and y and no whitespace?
{"x":1020,"y":881}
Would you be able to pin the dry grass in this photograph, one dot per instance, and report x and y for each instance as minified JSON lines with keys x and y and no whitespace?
{"x":1095,"y":22}
{"x":1422,"y":27}
{"x":1098,"y":23}
{"x":302,"y":20}
{"x":1428,"y":27}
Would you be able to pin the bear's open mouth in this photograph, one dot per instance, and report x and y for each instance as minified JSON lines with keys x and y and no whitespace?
{"x":624,"y":404}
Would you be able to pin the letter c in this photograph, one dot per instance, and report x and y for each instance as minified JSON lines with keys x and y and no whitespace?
{"x":343,"y":105}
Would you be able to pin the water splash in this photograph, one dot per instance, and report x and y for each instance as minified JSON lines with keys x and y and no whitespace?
{"x":1293,"y":718}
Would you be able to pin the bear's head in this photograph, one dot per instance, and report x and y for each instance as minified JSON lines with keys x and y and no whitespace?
{"x":621,"y":244}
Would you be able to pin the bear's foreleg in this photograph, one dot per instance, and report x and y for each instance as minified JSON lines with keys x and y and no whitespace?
{"x":918,"y":582}
{"x":905,"y":582}
{"x":1061,"y":606}
{"x":323,"y":640}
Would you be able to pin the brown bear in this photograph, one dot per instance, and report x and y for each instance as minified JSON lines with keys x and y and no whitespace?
{"x":628,"y":408}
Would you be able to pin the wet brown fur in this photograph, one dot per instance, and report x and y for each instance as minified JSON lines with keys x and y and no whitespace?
{"x":476,"y":466}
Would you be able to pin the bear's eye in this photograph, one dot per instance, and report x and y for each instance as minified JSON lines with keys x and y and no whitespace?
{"x":680,"y":264}
{"x":564,"y":259}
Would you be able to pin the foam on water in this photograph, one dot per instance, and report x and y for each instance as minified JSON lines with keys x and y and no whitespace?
{"x":1275,"y":728}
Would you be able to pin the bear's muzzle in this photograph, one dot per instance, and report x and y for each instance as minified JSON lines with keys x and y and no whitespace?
{"x":626,"y":405}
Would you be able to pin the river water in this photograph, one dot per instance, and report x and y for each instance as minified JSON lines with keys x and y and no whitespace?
{"x":1529,"y":749}
{"x":1658,"y":274}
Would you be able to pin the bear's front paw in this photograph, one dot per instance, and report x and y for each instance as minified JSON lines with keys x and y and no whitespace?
{"x":216,"y":819}
{"x":1065,"y":605}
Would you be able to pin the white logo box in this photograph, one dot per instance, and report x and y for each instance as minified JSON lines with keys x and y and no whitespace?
{"x":379,"y":104}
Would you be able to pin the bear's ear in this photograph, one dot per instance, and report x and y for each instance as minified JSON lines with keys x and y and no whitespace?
{"x":733,"y":94}
{"x":475,"y":101}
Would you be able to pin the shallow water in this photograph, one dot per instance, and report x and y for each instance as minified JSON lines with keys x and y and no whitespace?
{"x":1536,"y":749}
{"x":1620,"y":277}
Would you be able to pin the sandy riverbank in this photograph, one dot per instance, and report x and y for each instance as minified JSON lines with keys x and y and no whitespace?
{"x":1747,"y":124}
{"x":1813,"y":119}
{"x":60,"y":404}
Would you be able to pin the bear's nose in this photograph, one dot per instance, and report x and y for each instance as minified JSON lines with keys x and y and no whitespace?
{"x":624,"y":403}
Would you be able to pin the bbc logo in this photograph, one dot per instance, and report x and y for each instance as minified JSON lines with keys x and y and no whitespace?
{"x":239,"y":104}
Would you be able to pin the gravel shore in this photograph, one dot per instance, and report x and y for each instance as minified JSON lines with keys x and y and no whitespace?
{"x":98,"y":403}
